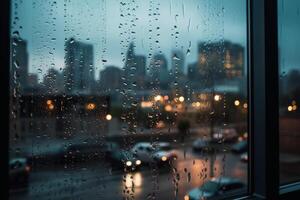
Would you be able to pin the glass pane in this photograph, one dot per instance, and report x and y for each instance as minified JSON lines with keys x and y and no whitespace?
{"x":289,"y":91}
{"x":133,"y":99}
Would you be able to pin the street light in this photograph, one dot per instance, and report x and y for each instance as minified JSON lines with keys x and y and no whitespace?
{"x":158,"y":98}
{"x":51,"y":106}
{"x":236,"y":102}
{"x":90,"y":106}
{"x":108,"y":117}
{"x":49,"y":102}
{"x":181,"y":99}
{"x":217,"y":97}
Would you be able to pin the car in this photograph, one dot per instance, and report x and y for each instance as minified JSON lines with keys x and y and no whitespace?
{"x":240,"y":147}
{"x":216,"y":188}
{"x":19,"y":171}
{"x":158,"y":152}
{"x":228,"y":135}
{"x":125,"y":160}
{"x":244,"y":157}
{"x":202,"y":145}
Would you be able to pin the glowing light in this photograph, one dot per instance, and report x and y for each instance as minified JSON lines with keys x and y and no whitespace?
{"x":49,"y":102}
{"x":290,"y":108}
{"x":158,"y":98}
{"x":294,"y":107}
{"x":90,"y":106}
{"x":138,"y":162}
{"x":217,"y":97}
{"x":186,"y":197}
{"x":245,"y":105}
{"x":51,"y":107}
{"x":146,"y":104}
{"x":181,"y":99}
{"x":164,"y":158}
{"x":133,"y":180}
{"x":128,"y":163}
{"x":168,"y":108}
{"x":108,"y":117}
{"x":236,"y":102}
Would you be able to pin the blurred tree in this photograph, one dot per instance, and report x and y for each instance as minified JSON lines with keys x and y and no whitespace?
{"x":183,"y":128}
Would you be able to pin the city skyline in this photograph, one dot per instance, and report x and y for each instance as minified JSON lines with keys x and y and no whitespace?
{"x":78,"y":76}
{"x":101,"y":28}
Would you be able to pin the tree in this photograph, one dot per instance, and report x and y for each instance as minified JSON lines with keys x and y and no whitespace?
{"x":183,"y":127}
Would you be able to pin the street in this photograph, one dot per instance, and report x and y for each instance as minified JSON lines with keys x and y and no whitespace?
{"x":98,"y":180}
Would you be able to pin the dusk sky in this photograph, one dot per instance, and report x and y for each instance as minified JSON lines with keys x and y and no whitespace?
{"x":45,"y":24}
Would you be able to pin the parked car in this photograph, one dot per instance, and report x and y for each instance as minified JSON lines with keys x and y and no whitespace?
{"x":240,"y":147}
{"x":202,"y":145}
{"x":225,"y":135}
{"x":19,"y":171}
{"x":159,"y":153}
{"x":125,"y":160}
{"x":216,"y":188}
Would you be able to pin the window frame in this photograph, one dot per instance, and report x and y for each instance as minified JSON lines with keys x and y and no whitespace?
{"x":263,"y":168}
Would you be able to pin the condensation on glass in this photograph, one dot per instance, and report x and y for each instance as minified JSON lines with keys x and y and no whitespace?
{"x":289,"y":90}
{"x":128,"y":99}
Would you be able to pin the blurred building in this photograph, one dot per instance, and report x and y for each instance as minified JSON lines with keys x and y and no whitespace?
{"x":79,"y":67}
{"x":33,"y":80}
{"x":135,"y":69}
{"x":177,"y":62}
{"x":159,"y":75}
{"x":217,"y":61}
{"x":110,"y":78}
{"x":53,"y":82}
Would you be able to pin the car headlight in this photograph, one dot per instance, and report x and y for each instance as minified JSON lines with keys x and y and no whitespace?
{"x":128,"y":163}
{"x":186,"y":197}
{"x":138,"y":162}
{"x":164,"y":158}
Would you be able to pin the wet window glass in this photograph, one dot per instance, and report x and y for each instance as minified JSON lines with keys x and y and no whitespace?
{"x":289,"y":90}
{"x":131,"y":99}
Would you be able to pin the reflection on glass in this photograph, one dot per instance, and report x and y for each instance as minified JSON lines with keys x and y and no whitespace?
{"x":289,"y":90}
{"x":127,"y":99}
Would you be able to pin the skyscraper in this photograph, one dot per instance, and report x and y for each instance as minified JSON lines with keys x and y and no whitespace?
{"x":159,"y":71}
{"x":177,"y":62}
{"x":53,"y":81}
{"x":110,"y":78}
{"x":135,"y":68}
{"x":79,"y":67}
{"x":222,"y":59}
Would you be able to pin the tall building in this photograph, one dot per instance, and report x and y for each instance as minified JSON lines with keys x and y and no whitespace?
{"x":110,"y":78}
{"x":19,"y":67}
{"x":223,"y":59}
{"x":53,"y":82}
{"x":79,"y":67}
{"x":177,"y":62}
{"x":159,"y":74}
{"x":135,"y":68}
{"x":32,"y":80}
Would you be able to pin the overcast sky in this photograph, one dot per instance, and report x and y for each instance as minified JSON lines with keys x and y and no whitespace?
{"x":45,"y":24}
